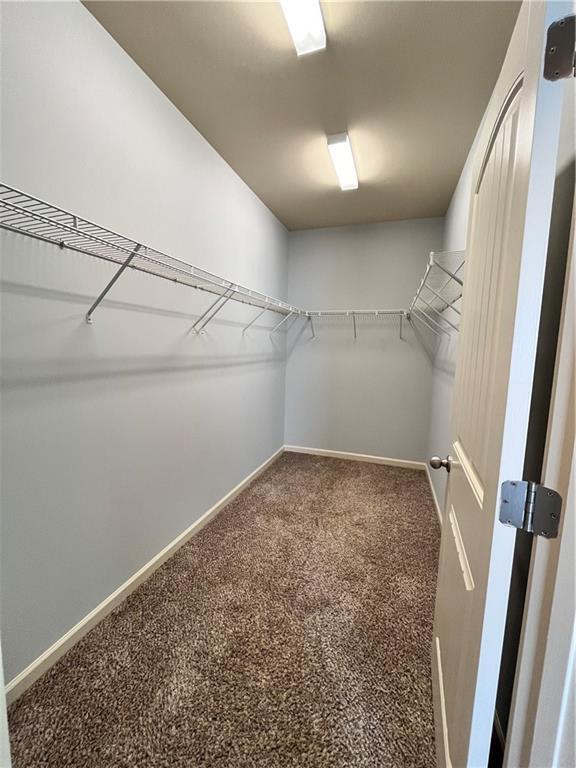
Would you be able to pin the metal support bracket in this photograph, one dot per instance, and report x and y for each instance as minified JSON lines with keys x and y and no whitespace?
{"x":217,"y":305}
{"x":560,"y":58}
{"x":111,"y":283}
{"x":258,"y":316}
{"x":531,"y":507}
{"x":281,"y":323}
{"x":312,"y":326}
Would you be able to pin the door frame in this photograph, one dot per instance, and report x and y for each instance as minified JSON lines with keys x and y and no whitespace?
{"x":543,"y":705}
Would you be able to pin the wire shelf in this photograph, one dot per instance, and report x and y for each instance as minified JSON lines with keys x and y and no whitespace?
{"x":25,"y":214}
{"x":355,"y":318}
{"x":437,"y":301}
{"x":365,"y":314}
{"x":28,"y":215}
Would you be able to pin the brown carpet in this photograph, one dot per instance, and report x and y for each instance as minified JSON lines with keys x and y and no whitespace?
{"x":294,"y":630}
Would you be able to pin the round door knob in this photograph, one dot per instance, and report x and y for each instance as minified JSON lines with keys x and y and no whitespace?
{"x":436,"y":463}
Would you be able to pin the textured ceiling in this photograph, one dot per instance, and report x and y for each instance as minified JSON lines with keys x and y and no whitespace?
{"x":408,"y":80}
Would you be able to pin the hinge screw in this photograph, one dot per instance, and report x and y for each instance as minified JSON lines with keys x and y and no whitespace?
{"x":552,"y":49}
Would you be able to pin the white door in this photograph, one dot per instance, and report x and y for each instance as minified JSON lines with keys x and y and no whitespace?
{"x":506,"y":254}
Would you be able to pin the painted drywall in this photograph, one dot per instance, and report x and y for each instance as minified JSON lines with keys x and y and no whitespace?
{"x":369,"y":395}
{"x":117,"y":436}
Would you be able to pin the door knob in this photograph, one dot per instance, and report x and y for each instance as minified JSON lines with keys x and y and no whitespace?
{"x":436,"y":462}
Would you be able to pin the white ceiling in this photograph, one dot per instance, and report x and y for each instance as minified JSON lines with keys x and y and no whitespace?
{"x":408,"y":80}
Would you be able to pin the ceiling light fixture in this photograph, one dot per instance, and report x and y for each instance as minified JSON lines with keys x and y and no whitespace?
{"x":306,"y":25}
{"x":343,"y":160}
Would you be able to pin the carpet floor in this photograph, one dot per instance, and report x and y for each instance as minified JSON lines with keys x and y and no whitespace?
{"x":294,"y":630}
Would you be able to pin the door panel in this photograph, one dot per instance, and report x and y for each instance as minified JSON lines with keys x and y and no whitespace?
{"x":475,"y":379}
{"x":505,"y":263}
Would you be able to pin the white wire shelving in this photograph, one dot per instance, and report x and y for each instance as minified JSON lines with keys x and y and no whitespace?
{"x":436,"y":303}
{"x":355,"y":316}
{"x":28,"y":215}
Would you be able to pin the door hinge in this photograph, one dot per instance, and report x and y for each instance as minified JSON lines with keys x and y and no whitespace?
{"x":560,"y":57}
{"x":531,"y":507}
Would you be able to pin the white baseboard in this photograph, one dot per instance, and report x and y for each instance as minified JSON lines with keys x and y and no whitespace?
{"x":420,"y":465}
{"x":433,"y":490}
{"x":22,"y":681}
{"x":33,"y":671}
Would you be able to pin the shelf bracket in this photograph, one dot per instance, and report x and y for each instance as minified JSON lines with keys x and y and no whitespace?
{"x":281,"y":323}
{"x":312,"y":326}
{"x":212,"y":311}
{"x":111,"y":283}
{"x":258,"y":316}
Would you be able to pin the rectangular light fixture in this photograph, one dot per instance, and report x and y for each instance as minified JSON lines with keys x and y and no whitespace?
{"x":343,"y":160}
{"x":306,"y":25}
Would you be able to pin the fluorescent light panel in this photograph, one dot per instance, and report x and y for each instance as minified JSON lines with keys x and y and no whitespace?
{"x":341,"y":153}
{"x":306,"y":25}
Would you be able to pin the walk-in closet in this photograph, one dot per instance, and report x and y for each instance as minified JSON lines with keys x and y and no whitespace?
{"x":256,"y":340}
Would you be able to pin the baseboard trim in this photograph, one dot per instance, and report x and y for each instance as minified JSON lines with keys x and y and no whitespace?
{"x":420,"y":465}
{"x":434,"y":497}
{"x":42,"y":664}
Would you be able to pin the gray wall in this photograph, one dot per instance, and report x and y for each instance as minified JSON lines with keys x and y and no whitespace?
{"x":370,"y":395}
{"x":117,"y":436}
